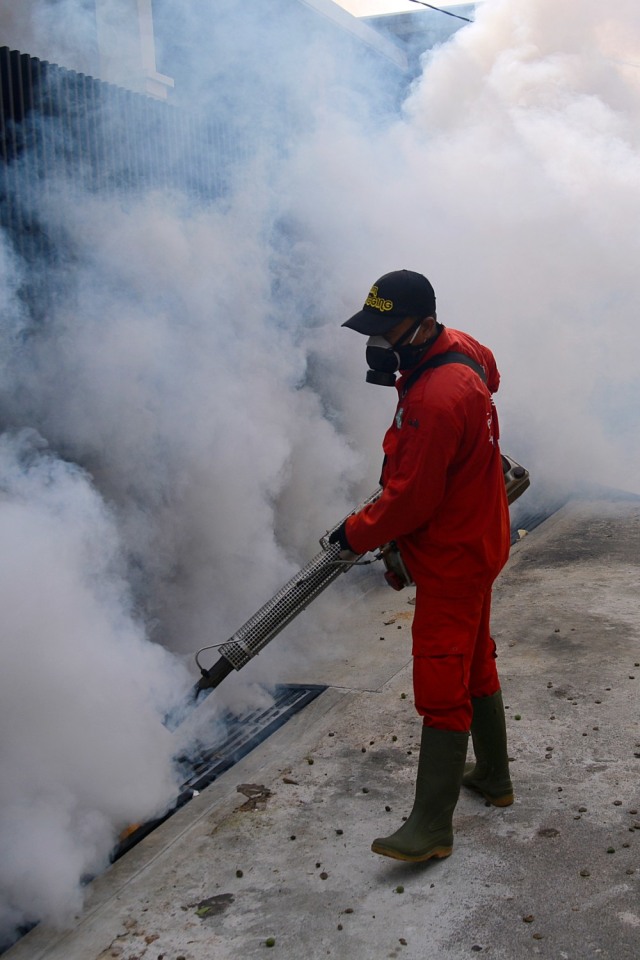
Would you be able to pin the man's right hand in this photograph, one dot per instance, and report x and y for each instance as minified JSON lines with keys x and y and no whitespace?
{"x":339,"y":535}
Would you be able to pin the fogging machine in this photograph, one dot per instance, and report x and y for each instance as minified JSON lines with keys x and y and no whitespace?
{"x":310,"y":582}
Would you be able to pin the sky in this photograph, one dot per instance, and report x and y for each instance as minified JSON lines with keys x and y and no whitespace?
{"x":369,"y":8}
{"x":187,"y":417}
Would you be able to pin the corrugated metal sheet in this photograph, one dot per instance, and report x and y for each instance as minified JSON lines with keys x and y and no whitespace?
{"x":57,"y":125}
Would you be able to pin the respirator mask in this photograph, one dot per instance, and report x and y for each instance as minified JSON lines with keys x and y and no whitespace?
{"x":385,"y":359}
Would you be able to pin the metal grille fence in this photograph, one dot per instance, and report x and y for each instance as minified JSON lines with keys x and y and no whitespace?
{"x":232,"y":737}
{"x":59,"y":126}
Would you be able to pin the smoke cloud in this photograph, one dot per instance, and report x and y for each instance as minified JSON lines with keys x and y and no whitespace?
{"x":188,"y":419}
{"x":84,"y":753}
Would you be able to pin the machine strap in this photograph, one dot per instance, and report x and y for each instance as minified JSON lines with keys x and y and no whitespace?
{"x":450,"y":357}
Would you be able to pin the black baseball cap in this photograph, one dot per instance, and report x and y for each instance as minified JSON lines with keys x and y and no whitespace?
{"x":393,"y":297}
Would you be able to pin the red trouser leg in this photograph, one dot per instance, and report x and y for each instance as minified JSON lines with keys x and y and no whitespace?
{"x":483,"y":679}
{"x":454,"y":658}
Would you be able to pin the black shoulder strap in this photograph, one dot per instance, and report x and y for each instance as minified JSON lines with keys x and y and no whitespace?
{"x":439,"y":361}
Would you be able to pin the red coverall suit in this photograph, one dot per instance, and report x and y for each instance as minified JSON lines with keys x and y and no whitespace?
{"x":444,"y":502}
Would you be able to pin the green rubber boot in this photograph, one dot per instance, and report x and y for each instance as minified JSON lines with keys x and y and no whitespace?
{"x":489,"y":775}
{"x":428,"y":831}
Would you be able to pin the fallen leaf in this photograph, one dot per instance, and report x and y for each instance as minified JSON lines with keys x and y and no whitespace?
{"x":258,"y":795}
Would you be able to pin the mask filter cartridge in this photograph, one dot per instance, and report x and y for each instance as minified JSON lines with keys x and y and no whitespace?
{"x":383,"y":362}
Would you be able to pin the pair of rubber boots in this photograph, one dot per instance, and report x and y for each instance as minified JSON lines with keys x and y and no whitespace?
{"x":428,"y":831}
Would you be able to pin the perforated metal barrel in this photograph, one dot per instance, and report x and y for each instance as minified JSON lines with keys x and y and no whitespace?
{"x":290,"y":600}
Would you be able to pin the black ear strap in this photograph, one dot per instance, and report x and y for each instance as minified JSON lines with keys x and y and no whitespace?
{"x":439,"y":361}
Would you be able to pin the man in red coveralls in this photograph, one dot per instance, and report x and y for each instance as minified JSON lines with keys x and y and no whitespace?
{"x":444,"y":502}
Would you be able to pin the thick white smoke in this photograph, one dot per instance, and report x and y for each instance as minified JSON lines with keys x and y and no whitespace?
{"x":192,"y":363}
{"x":532,"y":122}
{"x":167,"y":463}
{"x":512,"y":181}
{"x":84,"y":750}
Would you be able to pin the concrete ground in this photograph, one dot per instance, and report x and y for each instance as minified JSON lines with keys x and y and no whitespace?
{"x":284,"y":869}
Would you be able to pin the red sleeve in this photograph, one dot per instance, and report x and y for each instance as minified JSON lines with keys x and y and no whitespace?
{"x":493,"y":376}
